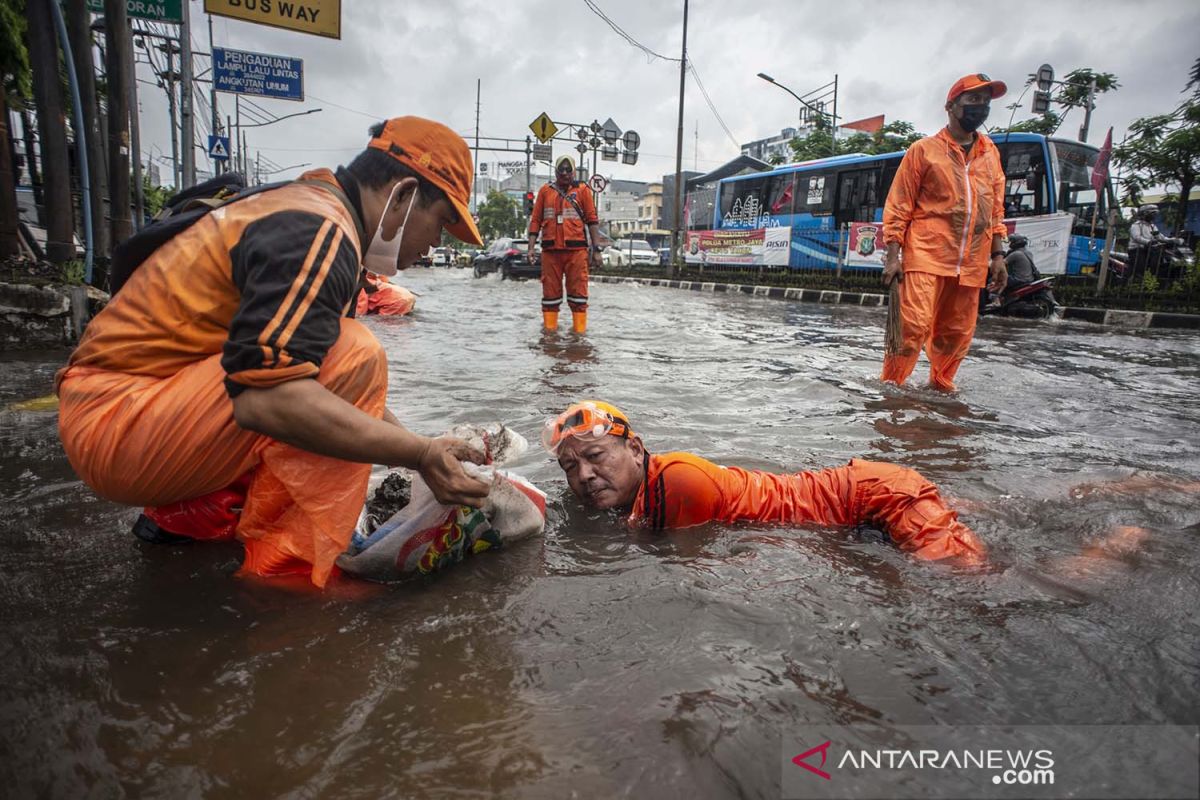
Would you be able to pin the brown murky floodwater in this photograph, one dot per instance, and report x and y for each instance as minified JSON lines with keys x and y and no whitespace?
{"x":596,"y":662}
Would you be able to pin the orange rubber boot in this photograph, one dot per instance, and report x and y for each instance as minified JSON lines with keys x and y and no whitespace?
{"x":579,"y":321}
{"x":550,"y":320}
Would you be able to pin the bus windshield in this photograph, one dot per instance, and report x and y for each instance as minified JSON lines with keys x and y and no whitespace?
{"x":1074,"y":187}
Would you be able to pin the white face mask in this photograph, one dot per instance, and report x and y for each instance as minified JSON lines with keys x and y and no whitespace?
{"x":383,"y":255}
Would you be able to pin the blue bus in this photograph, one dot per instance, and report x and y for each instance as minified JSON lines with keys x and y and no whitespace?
{"x":816,"y":199}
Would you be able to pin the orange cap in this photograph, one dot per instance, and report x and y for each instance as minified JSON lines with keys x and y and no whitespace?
{"x":439,"y":155}
{"x":973,"y":82}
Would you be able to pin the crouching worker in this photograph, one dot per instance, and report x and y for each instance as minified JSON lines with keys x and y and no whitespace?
{"x":608,"y":467}
{"x":224,"y":386}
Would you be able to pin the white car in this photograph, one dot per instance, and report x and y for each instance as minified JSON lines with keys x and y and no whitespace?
{"x":630,"y":252}
{"x":443,"y":257}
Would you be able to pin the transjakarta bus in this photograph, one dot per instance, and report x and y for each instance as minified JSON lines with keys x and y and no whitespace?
{"x":816,"y":198}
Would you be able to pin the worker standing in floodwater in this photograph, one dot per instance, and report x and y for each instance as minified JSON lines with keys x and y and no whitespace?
{"x":224,"y":387}
{"x":943,"y":224}
{"x":564,"y":213}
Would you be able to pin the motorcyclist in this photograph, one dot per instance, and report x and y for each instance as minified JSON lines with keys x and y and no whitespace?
{"x":1021,"y":269}
{"x":1146,"y":240}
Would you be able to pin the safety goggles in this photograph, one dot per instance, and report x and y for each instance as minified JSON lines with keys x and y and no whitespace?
{"x":582,"y":422}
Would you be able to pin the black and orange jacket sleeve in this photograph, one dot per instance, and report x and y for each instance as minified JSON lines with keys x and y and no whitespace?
{"x":679,"y":491}
{"x":297,"y":273}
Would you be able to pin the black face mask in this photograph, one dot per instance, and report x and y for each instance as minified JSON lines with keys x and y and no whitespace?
{"x":973,"y":116}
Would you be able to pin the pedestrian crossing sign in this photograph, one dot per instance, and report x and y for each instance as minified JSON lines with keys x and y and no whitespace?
{"x":218,"y":148}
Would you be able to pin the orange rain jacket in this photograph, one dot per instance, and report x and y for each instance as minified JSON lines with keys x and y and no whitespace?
{"x":944,"y":207}
{"x":681,"y":490}
{"x":551,"y":206}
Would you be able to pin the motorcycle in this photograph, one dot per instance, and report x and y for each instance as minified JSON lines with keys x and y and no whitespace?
{"x":1026,"y":301}
{"x":1168,"y":260}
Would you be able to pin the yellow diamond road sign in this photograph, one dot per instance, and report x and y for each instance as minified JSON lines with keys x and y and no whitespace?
{"x":543,"y":128}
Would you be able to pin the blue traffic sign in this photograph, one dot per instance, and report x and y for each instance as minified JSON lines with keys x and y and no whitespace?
{"x":261,"y":74}
{"x":218,"y":147}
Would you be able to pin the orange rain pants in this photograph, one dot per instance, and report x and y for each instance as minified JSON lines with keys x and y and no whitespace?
{"x":572,"y":263}
{"x":939,"y":313}
{"x":387,"y":298}
{"x":143,"y":440}
{"x":682,"y":490}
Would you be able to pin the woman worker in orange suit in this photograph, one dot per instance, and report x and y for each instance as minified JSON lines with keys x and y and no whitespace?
{"x":608,"y":466}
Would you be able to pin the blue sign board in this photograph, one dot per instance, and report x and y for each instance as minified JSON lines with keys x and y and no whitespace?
{"x":218,"y":147}
{"x":262,"y":74}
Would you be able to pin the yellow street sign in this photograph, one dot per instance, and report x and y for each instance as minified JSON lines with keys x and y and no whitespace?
{"x":318,"y":17}
{"x":543,"y":128}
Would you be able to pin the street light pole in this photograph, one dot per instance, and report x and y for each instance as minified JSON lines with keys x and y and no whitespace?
{"x":675,"y":232}
{"x":820,"y":113}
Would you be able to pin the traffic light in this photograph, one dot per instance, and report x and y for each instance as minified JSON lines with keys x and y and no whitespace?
{"x":528,"y":203}
{"x":1041,"y":102}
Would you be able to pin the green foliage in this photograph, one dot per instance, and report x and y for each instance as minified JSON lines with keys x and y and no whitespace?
{"x":71,"y":272}
{"x":499,"y":216}
{"x":14,"y":54}
{"x":154,"y":197}
{"x":1071,"y":93}
{"x":890,"y":138}
{"x":1046,"y":124}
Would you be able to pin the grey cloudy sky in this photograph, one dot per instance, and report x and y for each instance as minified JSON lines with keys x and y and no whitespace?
{"x":893,"y":58}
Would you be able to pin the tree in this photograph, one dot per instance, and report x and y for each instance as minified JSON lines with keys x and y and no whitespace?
{"x":890,"y":138}
{"x":155,"y":196}
{"x":14,"y":84}
{"x":1164,"y":150}
{"x":118,"y":66}
{"x":499,"y":216}
{"x":1072,"y":92}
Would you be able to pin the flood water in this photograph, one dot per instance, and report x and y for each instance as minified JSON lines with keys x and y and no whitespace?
{"x":597,"y":662}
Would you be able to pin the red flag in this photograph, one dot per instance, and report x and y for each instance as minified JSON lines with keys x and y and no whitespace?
{"x":1100,"y":171}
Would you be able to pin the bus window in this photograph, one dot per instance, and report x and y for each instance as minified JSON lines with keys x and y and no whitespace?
{"x":699,"y":207}
{"x":1025,"y":179}
{"x":857,"y":196}
{"x":814,"y":192}
{"x":780,"y":195}
{"x":885,"y":179}
{"x":742,"y":203}
{"x":1075,"y":193}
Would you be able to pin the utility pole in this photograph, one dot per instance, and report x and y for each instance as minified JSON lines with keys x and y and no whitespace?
{"x":187,"y":134}
{"x":1087,"y":111}
{"x":52,"y":132}
{"x":135,"y":142}
{"x":119,"y":53}
{"x":175,"y":174}
{"x":216,"y":117}
{"x":475,"y":161}
{"x":675,"y":231}
{"x":78,"y":24}
{"x":85,"y":203}
{"x":833,"y":128}
{"x":528,"y":164}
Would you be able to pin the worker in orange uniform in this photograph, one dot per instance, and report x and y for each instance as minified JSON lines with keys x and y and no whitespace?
{"x":608,"y":467}
{"x":224,"y":387}
{"x":943,"y":224}
{"x":564,"y":213}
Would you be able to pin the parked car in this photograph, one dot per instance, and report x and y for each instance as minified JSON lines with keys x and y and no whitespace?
{"x":442,"y":257}
{"x":507,"y":256}
{"x":425,"y":259}
{"x":630,"y":252}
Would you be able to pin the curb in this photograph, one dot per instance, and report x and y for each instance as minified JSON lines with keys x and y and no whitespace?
{"x":1115,"y":318}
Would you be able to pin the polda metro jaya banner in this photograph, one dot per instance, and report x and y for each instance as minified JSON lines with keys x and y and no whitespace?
{"x":755,"y":246}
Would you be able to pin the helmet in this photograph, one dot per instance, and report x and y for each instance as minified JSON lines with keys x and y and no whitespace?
{"x":588,"y":419}
{"x":1148,"y":211}
{"x":1017,"y":241}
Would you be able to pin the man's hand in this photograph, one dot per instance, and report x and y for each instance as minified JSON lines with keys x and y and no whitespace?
{"x":892,"y":269}
{"x":594,"y":258}
{"x":439,"y":466}
{"x":997,"y":274}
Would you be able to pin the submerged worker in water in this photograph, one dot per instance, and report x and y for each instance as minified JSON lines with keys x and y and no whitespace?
{"x":608,"y":467}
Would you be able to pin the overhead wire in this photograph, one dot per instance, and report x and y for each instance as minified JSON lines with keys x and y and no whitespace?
{"x":595,"y":9}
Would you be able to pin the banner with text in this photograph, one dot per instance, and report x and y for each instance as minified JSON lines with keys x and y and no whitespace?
{"x":1049,"y":240}
{"x":754,"y":246}
{"x":262,"y":74}
{"x":157,"y":10}
{"x":318,"y":17}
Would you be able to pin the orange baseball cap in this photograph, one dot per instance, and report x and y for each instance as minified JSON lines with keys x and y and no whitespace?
{"x":973,"y":82}
{"x":439,"y":155}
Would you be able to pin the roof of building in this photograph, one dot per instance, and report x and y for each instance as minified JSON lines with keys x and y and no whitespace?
{"x":737,"y":166}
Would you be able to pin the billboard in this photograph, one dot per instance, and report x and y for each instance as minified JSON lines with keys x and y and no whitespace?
{"x":261,"y":74}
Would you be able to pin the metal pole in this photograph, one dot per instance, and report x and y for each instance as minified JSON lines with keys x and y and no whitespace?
{"x":171,"y":112}
{"x":833,"y":129}
{"x":1087,"y":111}
{"x":135,"y":145}
{"x":475,"y":178}
{"x":1108,"y":242}
{"x":528,"y":167}
{"x":85,"y":186}
{"x":187,"y":134}
{"x":679,"y":148}
{"x":237,"y":134}
{"x":216,"y":118}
